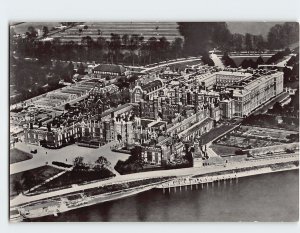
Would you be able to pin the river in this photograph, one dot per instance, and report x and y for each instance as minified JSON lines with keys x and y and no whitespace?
{"x":269,"y":197}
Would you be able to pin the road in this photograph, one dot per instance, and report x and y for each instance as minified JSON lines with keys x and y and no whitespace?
{"x":21,"y":199}
{"x":66,"y":155}
{"x":170,"y":63}
{"x":284,"y":61}
{"x":217,"y":61}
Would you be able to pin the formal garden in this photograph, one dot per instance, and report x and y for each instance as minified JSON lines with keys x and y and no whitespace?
{"x":249,"y":137}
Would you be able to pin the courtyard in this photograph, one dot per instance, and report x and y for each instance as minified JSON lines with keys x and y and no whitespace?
{"x":66,"y":155}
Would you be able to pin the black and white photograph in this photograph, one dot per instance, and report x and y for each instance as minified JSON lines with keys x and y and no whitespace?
{"x":153,"y":121}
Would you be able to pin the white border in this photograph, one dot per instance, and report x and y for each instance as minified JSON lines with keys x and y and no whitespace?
{"x":129,"y":10}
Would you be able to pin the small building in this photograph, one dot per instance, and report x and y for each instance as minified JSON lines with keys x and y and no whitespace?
{"x":109,"y":70}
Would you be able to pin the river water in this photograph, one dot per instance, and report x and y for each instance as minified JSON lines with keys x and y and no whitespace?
{"x":269,"y":197}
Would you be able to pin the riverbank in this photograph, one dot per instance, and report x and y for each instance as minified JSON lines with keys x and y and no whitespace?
{"x":92,"y":194}
{"x":231,"y":176}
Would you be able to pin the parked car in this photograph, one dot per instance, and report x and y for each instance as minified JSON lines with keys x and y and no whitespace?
{"x":33,"y":151}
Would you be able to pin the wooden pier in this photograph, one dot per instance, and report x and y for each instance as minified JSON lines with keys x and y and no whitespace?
{"x":197,"y":182}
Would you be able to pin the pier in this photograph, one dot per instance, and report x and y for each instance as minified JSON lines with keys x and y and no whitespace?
{"x":197,"y":182}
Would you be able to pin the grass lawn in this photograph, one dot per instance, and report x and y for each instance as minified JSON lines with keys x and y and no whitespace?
{"x":214,"y":133}
{"x":75,"y":177}
{"x":30,"y":178}
{"x":224,"y":150}
{"x":17,"y":155}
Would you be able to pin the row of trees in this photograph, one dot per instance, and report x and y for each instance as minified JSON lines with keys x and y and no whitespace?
{"x":203,"y":36}
{"x":126,"y":49}
{"x":29,"y":180}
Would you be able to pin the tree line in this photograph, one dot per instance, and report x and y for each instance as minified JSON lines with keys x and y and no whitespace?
{"x":203,"y":36}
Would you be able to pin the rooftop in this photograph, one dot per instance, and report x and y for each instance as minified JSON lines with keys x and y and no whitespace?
{"x":111,"y":68}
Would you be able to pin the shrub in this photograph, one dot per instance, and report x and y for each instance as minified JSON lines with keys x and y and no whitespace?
{"x":239,"y":152}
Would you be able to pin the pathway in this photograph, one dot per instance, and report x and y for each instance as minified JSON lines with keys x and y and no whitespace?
{"x":66,"y":155}
{"x":218,"y":62}
{"x":21,"y":199}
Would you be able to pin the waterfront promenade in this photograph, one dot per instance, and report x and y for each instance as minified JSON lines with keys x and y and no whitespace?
{"x":22,"y":199}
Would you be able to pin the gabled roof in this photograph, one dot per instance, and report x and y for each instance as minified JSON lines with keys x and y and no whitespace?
{"x":156,"y":83}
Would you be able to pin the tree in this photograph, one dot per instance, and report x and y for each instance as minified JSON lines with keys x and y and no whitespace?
{"x":248,"y":42}
{"x":87,"y":41}
{"x":236,"y":42}
{"x":81,"y":69}
{"x":281,"y":36}
{"x":102,"y":162}
{"x":17,"y":186}
{"x":228,"y":61}
{"x":133,"y":45}
{"x":258,"y":43}
{"x":101,"y":43}
{"x":176,"y":47}
{"x":125,"y":40}
{"x":31,"y":33}
{"x":207,"y":60}
{"x":152,"y":47}
{"x":67,"y":106}
{"x":45,"y":31}
{"x":221,"y":36}
{"x":259,"y":61}
{"x":287,"y":73}
{"x":136,"y":156}
{"x":78,"y":162}
{"x":201,"y":37}
{"x":115,"y":46}
{"x":163,"y":47}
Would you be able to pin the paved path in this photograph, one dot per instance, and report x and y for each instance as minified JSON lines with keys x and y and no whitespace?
{"x":170,"y":63}
{"x":21,"y":199}
{"x":285,"y":60}
{"x":65,"y":155}
{"x":218,"y":62}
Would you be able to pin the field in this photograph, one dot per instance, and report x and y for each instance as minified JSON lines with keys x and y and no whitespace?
{"x":16,"y":156}
{"x":22,"y":27}
{"x":104,"y":29}
{"x":25,"y":180}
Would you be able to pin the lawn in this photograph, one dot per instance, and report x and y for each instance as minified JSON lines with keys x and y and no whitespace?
{"x":75,"y":177}
{"x":23,"y":181}
{"x":224,"y":150}
{"x":16,"y":156}
{"x":214,"y":133}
